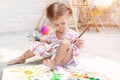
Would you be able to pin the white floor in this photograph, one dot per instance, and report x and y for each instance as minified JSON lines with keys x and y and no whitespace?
{"x":101,"y":44}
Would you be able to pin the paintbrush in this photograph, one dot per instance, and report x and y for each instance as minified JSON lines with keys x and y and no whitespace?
{"x":74,"y":42}
{"x":52,"y":70}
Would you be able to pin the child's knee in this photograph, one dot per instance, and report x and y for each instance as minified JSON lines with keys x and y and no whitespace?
{"x":65,"y":42}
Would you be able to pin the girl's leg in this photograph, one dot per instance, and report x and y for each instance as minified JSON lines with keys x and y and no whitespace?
{"x":62,"y":56}
{"x":22,"y":58}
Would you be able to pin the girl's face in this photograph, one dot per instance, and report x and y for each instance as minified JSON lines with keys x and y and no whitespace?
{"x":60,"y":24}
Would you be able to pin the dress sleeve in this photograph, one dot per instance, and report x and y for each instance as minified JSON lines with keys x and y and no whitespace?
{"x":71,"y":35}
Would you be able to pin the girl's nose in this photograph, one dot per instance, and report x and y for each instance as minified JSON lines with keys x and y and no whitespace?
{"x":60,"y":26}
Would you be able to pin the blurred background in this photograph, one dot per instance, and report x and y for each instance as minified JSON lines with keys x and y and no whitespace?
{"x":19,"y":18}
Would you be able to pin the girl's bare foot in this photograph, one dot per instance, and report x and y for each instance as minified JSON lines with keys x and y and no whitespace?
{"x":16,"y":61}
{"x":50,"y":63}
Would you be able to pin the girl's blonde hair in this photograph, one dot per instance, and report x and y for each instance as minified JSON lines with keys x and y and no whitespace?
{"x":58,"y":9}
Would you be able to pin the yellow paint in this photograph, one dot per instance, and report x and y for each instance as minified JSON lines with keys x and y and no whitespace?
{"x":77,"y":75}
{"x":28,"y":72}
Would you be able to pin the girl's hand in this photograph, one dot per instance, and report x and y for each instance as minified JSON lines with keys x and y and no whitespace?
{"x":31,"y":38}
{"x":79,"y":42}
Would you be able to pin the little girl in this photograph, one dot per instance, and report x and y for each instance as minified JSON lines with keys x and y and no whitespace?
{"x":62,"y":36}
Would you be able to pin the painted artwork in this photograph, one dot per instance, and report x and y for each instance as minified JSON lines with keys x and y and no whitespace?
{"x":37,"y":72}
{"x":26,"y":73}
{"x":41,"y":72}
{"x":95,"y":69}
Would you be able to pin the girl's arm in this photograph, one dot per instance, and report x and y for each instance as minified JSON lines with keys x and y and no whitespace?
{"x":37,"y":38}
{"x":44,"y":40}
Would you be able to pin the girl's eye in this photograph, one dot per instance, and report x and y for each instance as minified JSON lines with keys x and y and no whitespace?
{"x":56,"y":25}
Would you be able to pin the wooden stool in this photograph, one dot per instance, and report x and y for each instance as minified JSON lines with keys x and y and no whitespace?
{"x":83,"y":4}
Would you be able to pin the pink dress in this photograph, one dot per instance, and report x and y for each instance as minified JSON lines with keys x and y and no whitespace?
{"x":44,"y":50}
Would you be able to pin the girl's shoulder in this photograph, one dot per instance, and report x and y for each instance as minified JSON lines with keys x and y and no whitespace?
{"x":71,"y":34}
{"x":52,"y":31}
